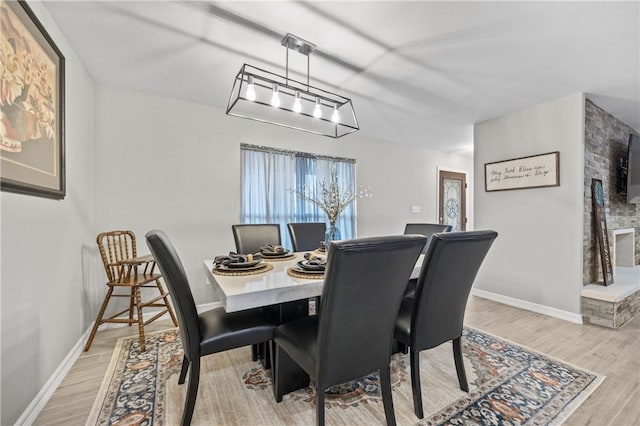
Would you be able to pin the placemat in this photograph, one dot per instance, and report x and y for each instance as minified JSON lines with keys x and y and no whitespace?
{"x":239,"y":273}
{"x":293,"y":273}
{"x":279,"y":259}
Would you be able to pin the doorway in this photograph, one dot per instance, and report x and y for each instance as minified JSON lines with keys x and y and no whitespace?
{"x":452,"y":200}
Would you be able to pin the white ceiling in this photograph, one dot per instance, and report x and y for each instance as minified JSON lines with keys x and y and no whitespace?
{"x":418,"y":72}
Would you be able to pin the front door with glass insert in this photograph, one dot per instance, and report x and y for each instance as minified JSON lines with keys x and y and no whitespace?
{"x":452,"y":209}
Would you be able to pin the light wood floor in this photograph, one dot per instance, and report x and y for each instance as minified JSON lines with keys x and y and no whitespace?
{"x":613,"y":353}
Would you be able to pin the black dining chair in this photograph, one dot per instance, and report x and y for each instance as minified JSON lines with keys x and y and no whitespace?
{"x":426,"y":229}
{"x":436,"y":314}
{"x":352,"y":334}
{"x":250,"y":237}
{"x":206,"y":333}
{"x":306,"y":236}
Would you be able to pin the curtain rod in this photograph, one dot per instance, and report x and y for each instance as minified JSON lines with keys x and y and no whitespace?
{"x":260,"y":148}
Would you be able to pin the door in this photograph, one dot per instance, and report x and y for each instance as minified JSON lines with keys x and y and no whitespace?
{"x":451,"y":205}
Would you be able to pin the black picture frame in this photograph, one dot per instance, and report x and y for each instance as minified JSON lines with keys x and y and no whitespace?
{"x":32,"y":137}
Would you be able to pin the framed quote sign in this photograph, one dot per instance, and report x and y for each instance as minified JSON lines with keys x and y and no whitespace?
{"x":31,"y":105}
{"x":534,"y":171}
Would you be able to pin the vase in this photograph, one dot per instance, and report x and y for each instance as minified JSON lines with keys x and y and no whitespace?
{"x":332,"y":234}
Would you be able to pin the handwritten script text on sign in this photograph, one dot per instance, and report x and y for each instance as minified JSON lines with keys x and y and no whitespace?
{"x":528,"y":172}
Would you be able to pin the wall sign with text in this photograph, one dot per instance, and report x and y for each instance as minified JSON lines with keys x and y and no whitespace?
{"x":534,"y":171}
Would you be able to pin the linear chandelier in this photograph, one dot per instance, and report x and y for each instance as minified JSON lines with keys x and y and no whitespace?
{"x":264,"y":96}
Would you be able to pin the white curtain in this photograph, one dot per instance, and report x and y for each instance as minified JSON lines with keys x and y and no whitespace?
{"x":269,"y":175}
{"x":266,"y":178}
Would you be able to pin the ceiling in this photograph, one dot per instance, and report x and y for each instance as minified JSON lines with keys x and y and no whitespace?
{"x":418,"y":72}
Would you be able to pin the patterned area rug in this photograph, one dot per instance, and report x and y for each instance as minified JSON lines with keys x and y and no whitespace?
{"x":509,"y":385}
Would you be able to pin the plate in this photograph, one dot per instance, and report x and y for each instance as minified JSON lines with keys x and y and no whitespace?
{"x":258,"y":265}
{"x":300,"y":269}
{"x":304,"y":264}
{"x":275,"y":254}
{"x":243,"y":264}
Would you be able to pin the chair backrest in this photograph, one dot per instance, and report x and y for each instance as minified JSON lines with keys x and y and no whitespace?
{"x":449,"y":269}
{"x":116,"y":246}
{"x":176,"y":279}
{"x":306,"y":236}
{"x":250,"y":237}
{"x":363,"y":287}
{"x":426,"y":229}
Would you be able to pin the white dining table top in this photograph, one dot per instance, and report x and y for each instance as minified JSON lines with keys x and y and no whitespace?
{"x":237,"y":293}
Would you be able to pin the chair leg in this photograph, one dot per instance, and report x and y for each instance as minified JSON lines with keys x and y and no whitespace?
{"x":165,"y":297}
{"x":138,"y":303}
{"x":319,"y":404}
{"x":267,"y":364}
{"x":459,"y":360}
{"x":415,"y":383}
{"x":287,"y":376}
{"x":183,"y":370}
{"x":192,"y":391}
{"x":254,"y":353}
{"x":94,"y":330}
{"x":132,"y":305}
{"x":387,"y":396}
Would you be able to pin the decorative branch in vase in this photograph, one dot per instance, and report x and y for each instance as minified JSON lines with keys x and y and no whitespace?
{"x":332,"y":199}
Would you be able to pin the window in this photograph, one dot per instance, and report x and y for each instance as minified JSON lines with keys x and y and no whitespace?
{"x":269,"y":174}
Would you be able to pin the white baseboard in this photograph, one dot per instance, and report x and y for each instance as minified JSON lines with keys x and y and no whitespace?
{"x":529,"y":306}
{"x":35,"y":407}
{"x":33,"y":410}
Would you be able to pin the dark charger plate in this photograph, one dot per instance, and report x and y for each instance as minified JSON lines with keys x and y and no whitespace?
{"x":243,"y":265}
{"x":306,"y":267}
{"x":275,"y":253}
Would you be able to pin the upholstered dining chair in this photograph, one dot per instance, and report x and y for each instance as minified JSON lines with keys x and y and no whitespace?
{"x":426,"y":229}
{"x":206,"y":333}
{"x":352,"y":334}
{"x":250,"y":237}
{"x":126,"y":271}
{"x":436,"y":314}
{"x":306,"y":236}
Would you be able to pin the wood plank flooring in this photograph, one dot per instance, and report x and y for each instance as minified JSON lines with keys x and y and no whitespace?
{"x":613,"y":353}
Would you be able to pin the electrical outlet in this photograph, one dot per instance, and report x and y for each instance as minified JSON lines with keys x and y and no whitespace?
{"x":415,"y":209}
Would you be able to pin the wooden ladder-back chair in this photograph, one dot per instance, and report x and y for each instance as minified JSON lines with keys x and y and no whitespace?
{"x":125,"y":269}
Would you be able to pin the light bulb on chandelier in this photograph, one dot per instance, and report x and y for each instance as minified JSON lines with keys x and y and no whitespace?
{"x":251,"y":89}
{"x":297,"y":106}
{"x":275,"y":98}
{"x":335,"y":117}
{"x":317,"y":112}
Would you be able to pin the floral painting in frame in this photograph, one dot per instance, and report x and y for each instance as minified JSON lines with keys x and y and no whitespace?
{"x":31,"y":105}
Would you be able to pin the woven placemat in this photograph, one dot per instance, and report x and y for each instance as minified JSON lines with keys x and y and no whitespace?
{"x":267,"y":268}
{"x":293,"y":273}
{"x":279,"y":259}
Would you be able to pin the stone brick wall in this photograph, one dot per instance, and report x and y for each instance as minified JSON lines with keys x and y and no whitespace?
{"x":606,"y":141}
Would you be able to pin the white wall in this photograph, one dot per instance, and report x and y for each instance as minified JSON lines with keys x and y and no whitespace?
{"x":170,"y":164}
{"x":537,"y":257}
{"x":44,"y":247}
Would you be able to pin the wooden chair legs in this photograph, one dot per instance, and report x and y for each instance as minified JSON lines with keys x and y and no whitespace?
{"x":134,"y":311}
{"x":98,"y":321}
{"x":459,"y":360}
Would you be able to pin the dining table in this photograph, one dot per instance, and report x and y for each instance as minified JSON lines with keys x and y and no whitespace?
{"x":272,"y":287}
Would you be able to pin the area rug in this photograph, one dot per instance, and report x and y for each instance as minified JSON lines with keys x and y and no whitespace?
{"x":509,"y":385}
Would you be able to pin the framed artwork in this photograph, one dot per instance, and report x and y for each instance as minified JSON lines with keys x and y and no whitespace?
{"x":534,"y":171}
{"x":31,"y":105}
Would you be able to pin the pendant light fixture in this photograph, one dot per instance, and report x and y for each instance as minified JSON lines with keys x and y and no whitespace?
{"x":264,"y":96}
